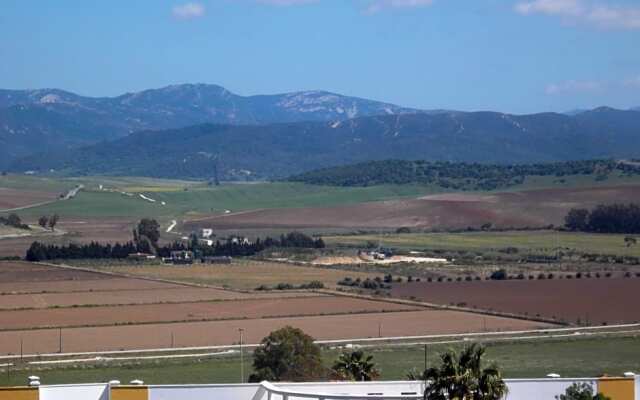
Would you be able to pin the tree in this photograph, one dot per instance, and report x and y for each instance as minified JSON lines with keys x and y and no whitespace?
{"x":287,"y":354}
{"x":355,"y":366}
{"x":14,"y":220}
{"x":463,"y":377}
{"x":148,"y":229}
{"x":581,"y":391}
{"x":53,"y":221}
{"x":577,"y":219}
{"x":43,"y":221}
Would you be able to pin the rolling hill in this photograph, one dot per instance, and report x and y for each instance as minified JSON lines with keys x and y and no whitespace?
{"x":279,"y":150}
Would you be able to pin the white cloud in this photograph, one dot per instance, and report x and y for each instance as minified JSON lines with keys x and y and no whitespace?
{"x":188,"y":11}
{"x":596,"y":12}
{"x":573,"y":87}
{"x":633,"y":82}
{"x":379,"y":5}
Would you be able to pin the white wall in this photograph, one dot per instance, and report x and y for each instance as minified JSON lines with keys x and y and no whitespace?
{"x":75,"y":392}
{"x":204,"y":392}
{"x":390,"y":388}
{"x":542,"y":389}
{"x":637,"y":387}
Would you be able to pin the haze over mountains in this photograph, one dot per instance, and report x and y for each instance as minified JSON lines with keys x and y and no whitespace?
{"x":177,"y":131}
{"x":32,"y":121}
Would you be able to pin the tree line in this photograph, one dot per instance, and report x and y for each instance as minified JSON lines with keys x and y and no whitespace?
{"x":457,"y":175}
{"x":145,"y":240}
{"x":612,"y":218}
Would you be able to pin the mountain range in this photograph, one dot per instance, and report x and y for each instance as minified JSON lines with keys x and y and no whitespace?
{"x":32,"y":121}
{"x":283,"y":149}
{"x":187,"y":131}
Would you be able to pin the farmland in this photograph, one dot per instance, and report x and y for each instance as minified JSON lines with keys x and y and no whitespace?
{"x":46,"y":309}
{"x":242,"y":274}
{"x":597,"y":356}
{"x":503,"y":210}
{"x":536,"y":242}
{"x":582,"y":301}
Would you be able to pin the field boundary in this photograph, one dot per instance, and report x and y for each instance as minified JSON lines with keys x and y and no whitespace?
{"x":383,"y":341}
{"x":444,"y":307}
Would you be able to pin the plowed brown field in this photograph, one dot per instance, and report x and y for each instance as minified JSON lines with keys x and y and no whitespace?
{"x":134,"y":296}
{"x":237,"y":309}
{"x":213,"y":333}
{"x":595,"y":301}
{"x":459,"y":210}
{"x":165,"y":314}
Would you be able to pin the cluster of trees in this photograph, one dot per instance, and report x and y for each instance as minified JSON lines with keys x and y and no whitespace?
{"x":145,"y":240}
{"x":458,"y":176}
{"x":14,"y":221}
{"x":49,"y":221}
{"x":289,"y":286}
{"x":370,"y":284}
{"x":236,"y":248}
{"x":41,"y":251}
{"x":289,"y":354}
{"x":613,"y":218}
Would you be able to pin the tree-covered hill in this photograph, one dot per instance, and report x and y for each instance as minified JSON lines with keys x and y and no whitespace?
{"x":458,"y":176}
{"x":279,"y":150}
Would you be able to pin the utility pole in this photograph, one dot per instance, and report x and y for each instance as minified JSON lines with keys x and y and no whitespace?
{"x":21,"y":348}
{"x":173,"y":341}
{"x":379,"y":329}
{"x":60,"y":340}
{"x":241,"y":330}
{"x":425,"y":356}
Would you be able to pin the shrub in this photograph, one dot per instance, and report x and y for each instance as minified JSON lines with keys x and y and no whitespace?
{"x":499,"y":275}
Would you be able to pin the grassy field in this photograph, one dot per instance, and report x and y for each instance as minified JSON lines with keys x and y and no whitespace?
{"x":186,"y":200}
{"x":545,"y":242}
{"x":242,"y":274}
{"x":570,"y":358}
{"x":196,"y":197}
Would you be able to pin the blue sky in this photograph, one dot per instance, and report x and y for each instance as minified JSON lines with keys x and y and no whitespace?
{"x":517,"y":56}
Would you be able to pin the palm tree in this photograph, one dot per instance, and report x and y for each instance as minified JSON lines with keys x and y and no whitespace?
{"x":464,"y":377}
{"x":355,"y":366}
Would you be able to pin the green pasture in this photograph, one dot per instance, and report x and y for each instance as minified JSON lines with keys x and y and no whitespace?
{"x":527,"y":241}
{"x":578,"y":357}
{"x":185,"y":200}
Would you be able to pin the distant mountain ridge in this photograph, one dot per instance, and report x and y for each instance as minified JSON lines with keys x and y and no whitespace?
{"x":280,"y":150}
{"x":36,"y":120}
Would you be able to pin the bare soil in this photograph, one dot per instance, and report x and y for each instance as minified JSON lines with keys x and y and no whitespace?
{"x":179,"y":294}
{"x":533,"y":208}
{"x":14,"y":198}
{"x":136,"y":314}
{"x":593,"y":301}
{"x":429,"y":322}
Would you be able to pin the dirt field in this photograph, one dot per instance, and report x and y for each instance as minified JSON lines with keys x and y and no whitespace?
{"x":178,"y":294}
{"x":78,"y":230}
{"x":242,"y":274}
{"x":235,"y":309}
{"x":195,"y":316}
{"x":226,"y":332}
{"x":14,"y":198}
{"x":595,"y":301}
{"x":458,"y":210}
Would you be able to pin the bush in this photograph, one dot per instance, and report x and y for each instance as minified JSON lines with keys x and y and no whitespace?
{"x":499,"y":275}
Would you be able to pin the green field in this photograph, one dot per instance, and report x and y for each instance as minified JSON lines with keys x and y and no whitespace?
{"x":570,"y":358}
{"x":217,"y":199}
{"x":196,"y":197}
{"x":545,"y":242}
